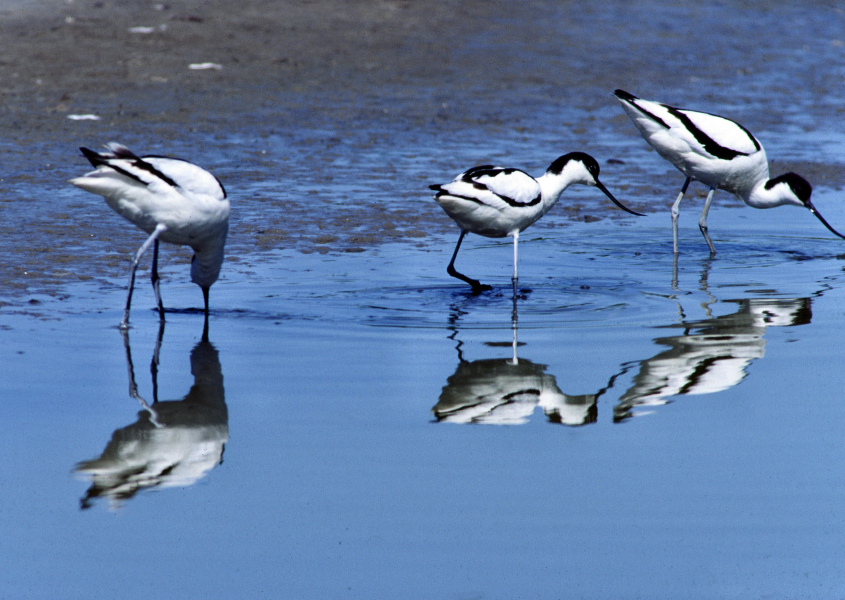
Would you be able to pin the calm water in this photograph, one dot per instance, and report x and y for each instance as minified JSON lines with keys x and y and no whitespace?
{"x":356,"y":424}
{"x":653,"y":439}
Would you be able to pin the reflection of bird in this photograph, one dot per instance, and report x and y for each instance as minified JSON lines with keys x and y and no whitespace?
{"x":506,"y":391}
{"x":498,"y":202}
{"x":712,"y":355}
{"x":501,"y":392}
{"x":172,"y":200}
{"x":571,"y":410}
{"x":172,"y":444}
{"x":720,"y":154}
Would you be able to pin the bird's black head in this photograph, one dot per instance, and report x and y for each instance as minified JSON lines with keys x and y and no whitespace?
{"x":802,"y":190}
{"x":799,"y":186}
{"x":590,"y":163}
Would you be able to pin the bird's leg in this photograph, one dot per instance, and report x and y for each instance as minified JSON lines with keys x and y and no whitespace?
{"x":702,"y":222}
{"x":477,"y":287}
{"x":133,"y":386}
{"x":205,"y":328}
{"x":156,"y":361}
{"x":124,"y":324}
{"x":156,"y":279}
{"x":675,"y":272}
{"x":205,"y":299}
{"x":205,"y":315}
{"x":515,"y":278}
{"x":676,"y":210}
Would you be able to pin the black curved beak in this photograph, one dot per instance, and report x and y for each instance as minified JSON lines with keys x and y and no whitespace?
{"x":607,"y":193}
{"x":822,"y":219}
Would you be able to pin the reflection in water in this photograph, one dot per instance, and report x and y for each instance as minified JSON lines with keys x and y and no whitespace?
{"x":174,"y":443}
{"x":506,"y":391}
{"x":501,"y":392}
{"x":712,"y":355}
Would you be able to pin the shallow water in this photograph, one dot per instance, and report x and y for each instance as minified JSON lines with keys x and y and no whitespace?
{"x":358,"y":424}
{"x":680,"y":436}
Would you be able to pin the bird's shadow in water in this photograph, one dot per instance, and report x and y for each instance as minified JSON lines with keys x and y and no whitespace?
{"x":173,"y":443}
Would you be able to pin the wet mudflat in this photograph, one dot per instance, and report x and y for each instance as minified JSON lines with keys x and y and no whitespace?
{"x":355,"y":423}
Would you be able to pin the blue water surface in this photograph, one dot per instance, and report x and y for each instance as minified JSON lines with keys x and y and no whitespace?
{"x":338,"y":480}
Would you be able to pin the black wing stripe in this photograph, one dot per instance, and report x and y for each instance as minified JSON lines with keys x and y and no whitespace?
{"x":505,"y":199}
{"x":491,"y":171}
{"x":124,"y":172}
{"x":632,"y":100}
{"x":96,"y":159}
{"x":442,"y":193}
{"x":480,"y":170}
{"x":512,"y":202}
{"x":120,"y":151}
{"x":145,"y":166}
{"x":173,"y":183}
{"x":710,"y":145}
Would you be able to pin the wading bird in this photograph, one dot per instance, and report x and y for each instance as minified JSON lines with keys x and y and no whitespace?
{"x":718,"y":152}
{"x":172,"y":200}
{"x":499,"y":202}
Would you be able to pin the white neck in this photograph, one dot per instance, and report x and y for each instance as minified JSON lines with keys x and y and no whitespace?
{"x":553,"y":185}
{"x":207,"y":260}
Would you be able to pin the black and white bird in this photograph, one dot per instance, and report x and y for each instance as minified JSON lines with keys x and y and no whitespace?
{"x":172,"y":200}
{"x":718,"y":152}
{"x":499,"y":202}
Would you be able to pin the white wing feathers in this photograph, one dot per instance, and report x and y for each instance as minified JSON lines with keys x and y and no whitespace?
{"x":494,"y":186}
{"x":155,"y":172}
